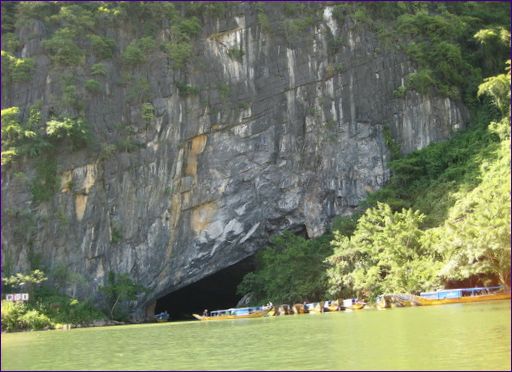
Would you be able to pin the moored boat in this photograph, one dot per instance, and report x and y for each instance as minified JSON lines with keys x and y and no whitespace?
{"x":235,"y":313}
{"x":443,"y":297}
{"x":162,"y":317}
{"x":353,"y":304}
{"x":462,"y":295}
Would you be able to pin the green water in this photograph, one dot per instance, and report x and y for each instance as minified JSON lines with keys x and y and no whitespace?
{"x":460,"y":336}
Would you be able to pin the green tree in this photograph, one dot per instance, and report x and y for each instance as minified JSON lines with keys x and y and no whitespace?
{"x":20,"y":281}
{"x":93,"y":86}
{"x":119,"y":288}
{"x":493,"y":42}
{"x":476,"y":236}
{"x":477,"y":233}
{"x":290,"y":270}
{"x":498,"y":88}
{"x":12,"y":129}
{"x":103,"y":47}
{"x":138,"y":51}
{"x":74,"y":129}
{"x":385,"y":254}
{"x":62,"y":48}
{"x":16,"y":69}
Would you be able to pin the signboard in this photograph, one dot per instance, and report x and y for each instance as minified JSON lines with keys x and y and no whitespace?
{"x":16,"y":297}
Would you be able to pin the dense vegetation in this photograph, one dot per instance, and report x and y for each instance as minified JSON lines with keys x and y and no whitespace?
{"x":49,"y":307}
{"x":443,"y":219}
{"x":46,"y":308}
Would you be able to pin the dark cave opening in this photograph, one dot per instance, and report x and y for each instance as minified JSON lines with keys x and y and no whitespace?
{"x":217,"y":291}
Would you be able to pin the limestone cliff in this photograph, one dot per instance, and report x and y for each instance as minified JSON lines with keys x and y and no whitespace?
{"x":286,"y":134}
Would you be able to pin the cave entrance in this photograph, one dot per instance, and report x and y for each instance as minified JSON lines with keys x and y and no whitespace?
{"x":217,"y":291}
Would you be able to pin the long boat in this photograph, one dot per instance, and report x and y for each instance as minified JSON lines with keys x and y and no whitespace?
{"x":235,"y":313}
{"x":443,"y":297}
{"x":462,"y":295}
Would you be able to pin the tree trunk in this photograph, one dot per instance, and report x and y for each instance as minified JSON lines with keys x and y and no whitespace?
{"x":113,"y":307}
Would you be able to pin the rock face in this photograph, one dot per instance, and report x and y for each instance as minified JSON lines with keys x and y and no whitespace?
{"x":286,"y":136}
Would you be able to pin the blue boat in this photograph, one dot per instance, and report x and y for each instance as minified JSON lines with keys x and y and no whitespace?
{"x":460,"y":292}
{"x":236,"y":313}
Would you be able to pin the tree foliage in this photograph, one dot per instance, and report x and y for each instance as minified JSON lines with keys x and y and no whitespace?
{"x":16,"y":69}
{"x":384,"y":255}
{"x":119,"y":288}
{"x":63,"y":49}
{"x":476,"y":235}
{"x":440,"y":40}
{"x":46,"y":307}
{"x":73,"y":128}
{"x":290,"y":270}
{"x":498,"y":88}
{"x":20,"y":281}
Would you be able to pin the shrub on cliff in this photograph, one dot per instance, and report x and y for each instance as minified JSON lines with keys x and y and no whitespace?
{"x":73,"y":128}
{"x":15,"y":134}
{"x":92,"y":86}
{"x":102,"y":47}
{"x":17,"y":69}
{"x":62,"y":48}
{"x":138,"y":50}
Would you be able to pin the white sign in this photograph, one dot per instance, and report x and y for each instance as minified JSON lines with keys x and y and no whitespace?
{"x":16,"y":297}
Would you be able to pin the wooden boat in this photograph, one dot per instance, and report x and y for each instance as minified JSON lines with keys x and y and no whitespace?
{"x":443,"y":297}
{"x":334,"y":306}
{"x":353,"y":304}
{"x":358,"y":306}
{"x":236,"y":313}
{"x":462,"y":295}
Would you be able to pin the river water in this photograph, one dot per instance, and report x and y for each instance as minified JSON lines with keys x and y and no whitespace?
{"x":450,"y":337}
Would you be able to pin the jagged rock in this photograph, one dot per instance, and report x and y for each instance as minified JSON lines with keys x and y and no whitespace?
{"x":245,"y":300}
{"x":289,"y":145}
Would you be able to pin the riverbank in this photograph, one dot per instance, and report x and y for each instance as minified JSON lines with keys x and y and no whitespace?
{"x":69,"y":326}
{"x":55,"y":313}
